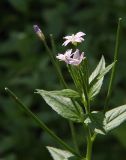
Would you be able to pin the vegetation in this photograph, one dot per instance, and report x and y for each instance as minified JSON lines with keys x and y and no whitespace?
{"x":25,"y":66}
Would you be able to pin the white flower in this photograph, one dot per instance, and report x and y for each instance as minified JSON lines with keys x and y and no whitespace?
{"x":65,"y":56}
{"x":74,"y":58}
{"x":74,"y":39}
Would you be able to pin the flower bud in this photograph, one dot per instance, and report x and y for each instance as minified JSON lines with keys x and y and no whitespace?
{"x":39,"y":32}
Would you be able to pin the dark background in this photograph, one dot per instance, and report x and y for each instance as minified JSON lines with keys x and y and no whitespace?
{"x":25,"y":66}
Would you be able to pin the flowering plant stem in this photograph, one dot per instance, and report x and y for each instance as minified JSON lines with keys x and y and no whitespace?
{"x":63,"y":84}
{"x":58,"y":71}
{"x":87,"y":107}
{"x":89,"y":146}
{"x":40,"y":123}
{"x":113,"y":69}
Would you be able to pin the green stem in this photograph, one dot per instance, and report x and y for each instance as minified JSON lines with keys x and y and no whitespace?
{"x":85,"y":77}
{"x":89,"y":147}
{"x":85,"y":104}
{"x":53,"y":44}
{"x":113,"y":69}
{"x":40,"y":123}
{"x":57,"y":69}
{"x":85,"y":84}
{"x":63,"y":83}
{"x":74,"y":136}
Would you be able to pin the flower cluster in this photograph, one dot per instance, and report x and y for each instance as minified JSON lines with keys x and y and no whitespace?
{"x":73,"y":58}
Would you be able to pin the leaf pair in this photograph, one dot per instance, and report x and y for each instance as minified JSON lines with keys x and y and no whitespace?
{"x":64,"y":101}
{"x":103,"y":123}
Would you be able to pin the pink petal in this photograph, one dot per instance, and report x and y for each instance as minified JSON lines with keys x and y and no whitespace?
{"x":67,"y":37}
{"x":61,"y":57}
{"x":66,"y":42}
{"x":82,"y":56}
{"x":79,"y":39}
{"x":76,"y":54}
{"x":79,"y":34}
{"x":68,"y":53}
{"x":74,"y":62}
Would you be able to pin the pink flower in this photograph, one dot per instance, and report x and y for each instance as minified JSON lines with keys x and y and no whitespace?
{"x":74,"y":58}
{"x":65,"y":56}
{"x":74,"y":39}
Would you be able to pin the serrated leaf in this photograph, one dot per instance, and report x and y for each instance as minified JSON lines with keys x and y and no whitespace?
{"x":96,"y":122}
{"x":115,"y":117}
{"x":66,"y":93}
{"x":58,"y":154}
{"x":63,"y":105}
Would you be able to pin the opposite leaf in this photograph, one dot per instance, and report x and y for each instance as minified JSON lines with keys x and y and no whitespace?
{"x":95,"y":121}
{"x":58,"y":154}
{"x":66,"y":93}
{"x":115,"y":117}
{"x":98,"y":69}
{"x":95,"y":89}
{"x":96,"y":83}
{"x":63,"y":105}
{"x":106,"y":70}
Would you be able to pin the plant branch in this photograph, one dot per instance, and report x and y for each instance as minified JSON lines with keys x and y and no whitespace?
{"x":114,"y":67}
{"x":40,"y":123}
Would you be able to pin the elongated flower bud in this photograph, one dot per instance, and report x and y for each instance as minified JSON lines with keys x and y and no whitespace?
{"x":39,"y":32}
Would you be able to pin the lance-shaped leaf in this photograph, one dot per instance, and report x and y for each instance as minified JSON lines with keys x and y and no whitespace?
{"x":115,"y":117}
{"x":64,"y":106}
{"x":96,"y":83}
{"x":66,"y":93}
{"x":58,"y":154}
{"x":106,"y":70}
{"x":95,"y":121}
{"x":98,"y":69}
{"x":95,"y":89}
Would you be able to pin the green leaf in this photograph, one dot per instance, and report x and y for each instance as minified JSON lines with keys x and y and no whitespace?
{"x":66,"y":93}
{"x":115,"y":117}
{"x":106,"y":70}
{"x":58,"y":154}
{"x":95,"y":89}
{"x":98,"y":70}
{"x":96,"y":79}
{"x":63,"y":105}
{"x":96,"y":122}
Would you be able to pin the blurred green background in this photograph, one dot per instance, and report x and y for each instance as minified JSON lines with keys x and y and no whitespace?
{"x":25,"y":66}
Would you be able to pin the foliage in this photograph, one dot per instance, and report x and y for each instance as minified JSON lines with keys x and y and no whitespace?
{"x":24,"y":66}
